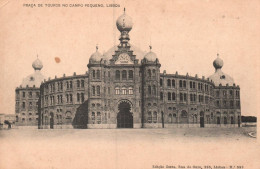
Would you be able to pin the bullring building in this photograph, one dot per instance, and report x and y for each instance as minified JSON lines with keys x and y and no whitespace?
{"x":124,"y":88}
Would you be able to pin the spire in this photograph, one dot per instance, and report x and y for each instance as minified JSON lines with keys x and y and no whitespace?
{"x":150,"y":46}
{"x":96,"y":47}
{"x":124,"y":10}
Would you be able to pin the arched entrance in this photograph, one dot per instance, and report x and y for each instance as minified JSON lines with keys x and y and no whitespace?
{"x":202,"y":119}
{"x":51,"y":120}
{"x":218,"y":120}
{"x":124,"y":116}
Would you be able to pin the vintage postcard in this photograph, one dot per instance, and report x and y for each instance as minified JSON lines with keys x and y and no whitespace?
{"x":109,"y":84}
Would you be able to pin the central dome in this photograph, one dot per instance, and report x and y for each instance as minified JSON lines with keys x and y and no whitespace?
{"x":124,"y":23}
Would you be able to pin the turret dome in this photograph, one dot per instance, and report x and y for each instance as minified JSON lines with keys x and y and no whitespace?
{"x":150,"y":56}
{"x":96,"y":57}
{"x":37,"y":64}
{"x":219,"y":77}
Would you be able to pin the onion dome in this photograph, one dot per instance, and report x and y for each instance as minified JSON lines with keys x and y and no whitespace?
{"x":218,"y":63}
{"x":124,"y":23}
{"x":96,"y":57}
{"x":35,"y":79}
{"x":37,"y":64}
{"x":150,"y":56}
{"x":219,"y":77}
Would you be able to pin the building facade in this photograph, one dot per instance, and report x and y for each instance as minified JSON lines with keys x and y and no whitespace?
{"x":27,"y":96}
{"x":124,"y":88}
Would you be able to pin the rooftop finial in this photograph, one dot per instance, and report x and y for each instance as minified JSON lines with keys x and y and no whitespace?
{"x":97,"y":47}
{"x":150,"y":46}
{"x":124,"y":10}
{"x":217,"y":55}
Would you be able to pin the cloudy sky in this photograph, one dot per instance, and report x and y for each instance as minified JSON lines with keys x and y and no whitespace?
{"x":186,"y":35}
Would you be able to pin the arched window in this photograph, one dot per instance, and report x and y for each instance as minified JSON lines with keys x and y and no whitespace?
{"x":78,"y":83}
{"x":181,"y":97}
{"x":194,"y":85}
{"x":98,"y":90}
{"x":78,"y":97}
{"x":173,"y":83}
{"x":161,"y":82}
{"x":184,"y":84}
{"x":232,"y":120}
{"x":149,"y":90}
{"x":117,"y":75}
{"x":191,"y":97}
{"x":170,"y":118}
{"x":124,"y":75}
{"x":149,"y":73}
{"x":67,"y":84}
{"x":149,"y":120}
{"x":82,"y":97}
{"x":161,"y":95}
{"x":93,"y":117}
{"x":117,"y":90}
{"x":130,"y":90}
{"x":184,"y":117}
{"x":98,"y":74}
{"x":183,"y":114}
{"x":190,"y":84}
{"x":130,"y":74}
{"x":169,"y":96}
{"x":98,"y":117}
{"x":93,"y":90}
{"x":185,"y":97}
{"x":225,"y":120}
{"x":169,"y":83}
{"x":124,"y":90}
{"x":155,"y":117}
{"x":174,"y":118}
{"x":180,"y":83}
{"x":154,"y":72}
{"x":173,"y":96}
{"x":71,"y":98}
{"x":71,"y":84}
{"x":154,"y":90}
{"x":82,"y":83}
{"x":93,"y":74}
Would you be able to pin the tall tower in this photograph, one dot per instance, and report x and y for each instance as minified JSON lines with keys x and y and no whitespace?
{"x":152,"y":116}
{"x":27,"y":96}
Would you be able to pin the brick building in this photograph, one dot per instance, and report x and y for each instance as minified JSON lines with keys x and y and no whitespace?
{"x":27,"y":96}
{"x":124,"y":88}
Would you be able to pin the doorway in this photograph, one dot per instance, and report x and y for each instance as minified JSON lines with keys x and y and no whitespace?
{"x":124,"y":116}
{"x":52,"y":120}
{"x":201,"y":119}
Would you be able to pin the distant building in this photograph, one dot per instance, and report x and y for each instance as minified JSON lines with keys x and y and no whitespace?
{"x":27,"y":96}
{"x":124,"y":88}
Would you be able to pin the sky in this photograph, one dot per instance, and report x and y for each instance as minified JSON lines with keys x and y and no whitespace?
{"x":185,"y":35}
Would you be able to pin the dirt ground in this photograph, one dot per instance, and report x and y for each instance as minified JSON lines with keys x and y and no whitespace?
{"x":128,"y":148}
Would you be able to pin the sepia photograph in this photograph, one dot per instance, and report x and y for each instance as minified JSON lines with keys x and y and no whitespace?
{"x":107,"y":84}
